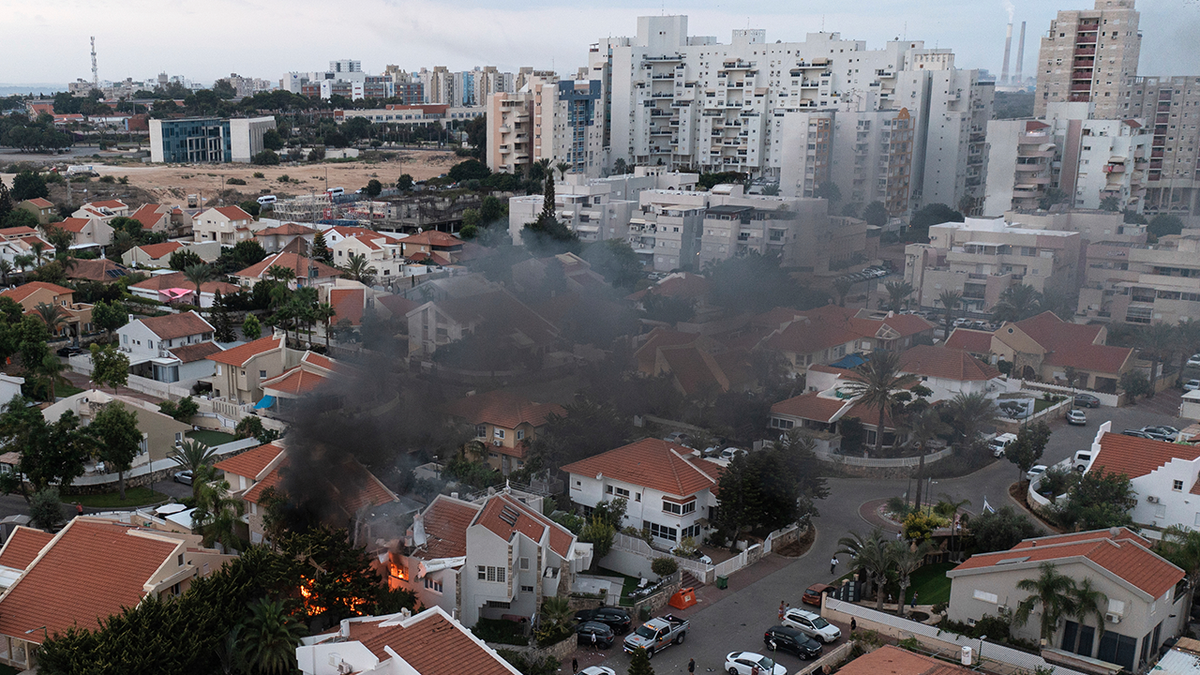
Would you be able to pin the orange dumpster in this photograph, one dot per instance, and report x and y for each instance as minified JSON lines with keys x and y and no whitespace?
{"x":683,"y":598}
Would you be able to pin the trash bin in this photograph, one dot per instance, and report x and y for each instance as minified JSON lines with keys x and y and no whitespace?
{"x":684,"y":598}
{"x":644,"y":614}
{"x":722,"y":582}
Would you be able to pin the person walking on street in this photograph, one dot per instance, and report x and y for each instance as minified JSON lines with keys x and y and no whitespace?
{"x":575,"y":666}
{"x":833,"y":563}
{"x":691,"y":666}
{"x":853,"y":625}
{"x":914,"y":600}
{"x":782,"y":609}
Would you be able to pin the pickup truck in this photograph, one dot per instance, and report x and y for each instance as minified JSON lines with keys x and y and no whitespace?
{"x":656,"y":634}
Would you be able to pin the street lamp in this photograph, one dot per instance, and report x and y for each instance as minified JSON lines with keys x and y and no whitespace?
{"x":981,"y":639}
{"x":45,"y":635}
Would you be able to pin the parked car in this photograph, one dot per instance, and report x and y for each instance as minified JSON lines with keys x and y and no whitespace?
{"x":1035,"y":471}
{"x":791,"y":640}
{"x":1161,"y":433}
{"x":1191,"y":385}
{"x":1194,"y":361}
{"x":679,"y":438}
{"x":69,"y":351}
{"x":597,"y":670}
{"x":812,"y":594}
{"x":744,"y":663}
{"x":1082,"y":460}
{"x":1138,"y":433}
{"x":730,"y":453}
{"x":595,"y":633}
{"x":1014,"y":410}
{"x":618,"y":619}
{"x":1086,"y":401}
{"x":657,"y":634}
{"x":811,"y":624}
{"x":999,"y":443}
{"x":1076,"y":416}
{"x":184,"y":477}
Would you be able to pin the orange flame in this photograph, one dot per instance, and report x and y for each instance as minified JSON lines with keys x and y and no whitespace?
{"x":397,"y":571}
{"x":313,"y":604}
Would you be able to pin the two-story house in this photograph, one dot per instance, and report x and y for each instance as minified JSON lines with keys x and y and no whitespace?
{"x":153,"y":217}
{"x":440,"y":322}
{"x":1044,"y":347}
{"x":504,"y":421}
{"x":226,"y":225}
{"x":245,"y":470}
{"x":282,"y":394}
{"x":170,"y":348}
{"x":161,"y":434}
{"x":239,"y":372}
{"x":827,"y":403}
{"x":1144,"y":600}
{"x":668,"y":489}
{"x":439,"y":247}
{"x":151,"y":255}
{"x":42,"y":209}
{"x":104,"y":210}
{"x":381,"y":251}
{"x":825,"y":335}
{"x":77,"y":316}
{"x":307,"y":271}
{"x":84,"y":231}
{"x":275,"y":239}
{"x":949,"y":372}
{"x":175,"y":287}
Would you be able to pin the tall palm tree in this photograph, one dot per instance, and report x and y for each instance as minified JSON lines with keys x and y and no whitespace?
{"x":898,"y":292}
{"x":216,"y":514}
{"x":1156,"y":342}
{"x":39,"y":250}
{"x":949,"y":508}
{"x":23,"y":261}
{"x":359,"y":269}
{"x":842,"y":286}
{"x":1053,"y":592}
{"x":906,"y":557}
{"x":970,"y":413}
{"x":193,"y":456}
{"x":562,"y":167}
{"x":325,"y":313}
{"x":269,"y":638}
{"x":1017,"y":303}
{"x":59,"y":238}
{"x":50,"y":367}
{"x":281,"y":273}
{"x":199,"y":274}
{"x":1088,"y":602}
{"x":876,"y":383}
{"x":950,"y":301}
{"x":6,"y":268}
{"x":54,"y":316}
{"x":871,"y":556}
{"x":924,"y":426}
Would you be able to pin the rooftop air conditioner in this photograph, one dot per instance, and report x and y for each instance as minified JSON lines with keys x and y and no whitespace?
{"x":1152,"y":499}
{"x":1112,"y":617}
{"x":497,"y":443}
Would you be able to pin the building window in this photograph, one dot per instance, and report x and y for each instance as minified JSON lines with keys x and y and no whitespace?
{"x":499,"y":433}
{"x":620,"y":492}
{"x":520,"y":434}
{"x":660,"y":531}
{"x":987,"y":597}
{"x":489,"y":573}
{"x":527,"y":589}
{"x":262,"y":374}
{"x":679,"y":509}
{"x":433,"y":584}
{"x":524,"y":563}
{"x":1177,"y":485}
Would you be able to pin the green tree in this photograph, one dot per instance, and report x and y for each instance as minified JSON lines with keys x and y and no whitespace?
{"x":115,"y":434}
{"x":59,"y":238}
{"x":492,"y":210}
{"x":950,"y":301}
{"x":898,"y":294}
{"x":110,"y":316}
{"x":194,"y":456}
{"x":183,"y":411}
{"x":29,"y":185}
{"x":1098,"y":500}
{"x":404,"y":183}
{"x":1000,"y":530}
{"x":1027,"y":449}
{"x":931,"y":214}
{"x":875,"y":214}
{"x":1110,"y":203}
{"x":270,"y":636}
{"x":872,"y":556}
{"x":615,"y":261}
{"x":1155,"y":343}
{"x":52,"y":453}
{"x":359,"y":269}
{"x":251,"y":328}
{"x":217,"y":514}
{"x":1051,"y":591}
{"x":320,"y":249}
{"x":1017,"y":303}
{"x":110,"y":366}
{"x":267,"y":157}
{"x":1088,"y":602}
{"x":272,"y":140}
{"x":906,"y":558}
{"x":1160,"y":226}
{"x":639,"y":664}
{"x":969,"y":413}
{"x":876,"y":384}
{"x":374,"y":187}
{"x":1134,"y":384}
{"x":924,"y":425}
{"x":219,"y":318}
{"x":198,"y":275}
{"x":1051,"y":197}
{"x":842,"y":286}
{"x":6,"y":202}
{"x":45,"y":509}
{"x":54,"y":316}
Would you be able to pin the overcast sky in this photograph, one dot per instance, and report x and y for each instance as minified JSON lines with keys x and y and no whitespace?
{"x":47,"y":42}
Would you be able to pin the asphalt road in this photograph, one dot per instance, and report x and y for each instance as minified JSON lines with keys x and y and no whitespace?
{"x":736,"y":620}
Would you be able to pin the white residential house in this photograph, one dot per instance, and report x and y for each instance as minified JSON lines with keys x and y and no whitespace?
{"x":949,"y":372}
{"x":668,"y":490}
{"x":226,"y":224}
{"x":85,"y":231}
{"x":383,"y":252}
{"x":171,"y":348}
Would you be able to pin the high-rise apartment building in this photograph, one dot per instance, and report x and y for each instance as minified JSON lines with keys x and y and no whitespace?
{"x":1170,"y":107}
{"x":1090,"y":56}
{"x":548,"y":119}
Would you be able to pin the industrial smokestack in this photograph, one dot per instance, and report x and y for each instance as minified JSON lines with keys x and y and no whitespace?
{"x":1020,"y":57}
{"x":1007,"y":51}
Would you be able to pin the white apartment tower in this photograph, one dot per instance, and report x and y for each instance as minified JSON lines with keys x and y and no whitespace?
{"x":1090,"y":56}
{"x":1170,"y":107}
{"x":548,"y":118}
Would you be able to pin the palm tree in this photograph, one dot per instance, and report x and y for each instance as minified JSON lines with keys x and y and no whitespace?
{"x":876,"y":384}
{"x":54,"y":316}
{"x":1181,"y":546}
{"x":562,"y":167}
{"x":199,"y":274}
{"x":59,"y":238}
{"x":6,"y":268}
{"x":50,"y":367}
{"x":950,"y":300}
{"x":1156,"y":341}
{"x":924,"y":426}
{"x":1087,"y":601}
{"x":324,"y":313}
{"x":281,"y":273}
{"x":216,"y":514}
{"x":193,"y":456}
{"x":1187,"y":339}
{"x":871,"y":556}
{"x":556,"y":610}
{"x":270,"y":637}
{"x":898,"y":292}
{"x":23,"y":261}
{"x":950,"y":508}
{"x":842,"y":286}
{"x":1017,"y":303}
{"x":907,"y":557}
{"x":38,"y":249}
{"x":970,"y":413}
{"x":1051,"y":590}
{"x":359,"y":269}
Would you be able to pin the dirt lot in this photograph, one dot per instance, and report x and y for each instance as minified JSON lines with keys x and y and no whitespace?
{"x":170,"y":184}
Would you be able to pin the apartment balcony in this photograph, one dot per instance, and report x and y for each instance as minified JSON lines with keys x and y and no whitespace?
{"x":663,"y":76}
{"x":1085,"y":39}
{"x":1083,"y":86}
{"x":1114,"y":168}
{"x":1079,"y":98}
{"x":1085,"y":51}
{"x":663,"y":59}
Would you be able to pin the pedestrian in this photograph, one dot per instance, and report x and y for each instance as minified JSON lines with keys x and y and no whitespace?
{"x":914,"y":600}
{"x":79,"y":508}
{"x":782,"y":609}
{"x":853,"y":625}
{"x":833,"y":563}
{"x":754,"y":670}
{"x":574,"y":666}
{"x":691,"y":665}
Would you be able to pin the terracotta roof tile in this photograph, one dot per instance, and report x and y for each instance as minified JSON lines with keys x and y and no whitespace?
{"x":946,"y":363}
{"x":432,"y":238}
{"x":808,"y":336}
{"x":810,"y":406}
{"x":654,"y":464}
{"x":101,"y":269}
{"x":41,"y":203}
{"x":111,"y":204}
{"x":286,"y":229}
{"x":272,"y":479}
{"x":148,"y":215}
{"x":366,"y":488}
{"x":89,"y":572}
{"x":240,"y":354}
{"x":431,"y":644}
{"x":974,"y":341}
{"x":177,"y":325}
{"x":293,"y":261}
{"x":891,"y":660}
{"x":319,"y":360}
{"x":348,"y":304}
{"x":1072,"y":344}
{"x":1074,"y":537}
{"x":159,"y":250}
{"x":25,"y":290}
{"x":16,"y":231}
{"x":296,"y":381}
{"x":252,"y":462}
{"x":398,"y":305}
{"x":234,"y":213}
{"x":504,"y":409}
{"x":71,"y":224}
{"x":195,"y":352}
{"x":527,"y":522}
{"x":23,"y":545}
{"x":446,"y":521}
{"x":1136,"y":457}
{"x":160,"y":282}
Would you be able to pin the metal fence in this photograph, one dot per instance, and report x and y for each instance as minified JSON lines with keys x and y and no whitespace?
{"x":884,"y":462}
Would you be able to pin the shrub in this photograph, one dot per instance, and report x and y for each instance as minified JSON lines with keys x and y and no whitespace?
{"x":664,"y":566}
{"x":283,"y":179}
{"x":235,"y":181}
{"x":257,"y":174}
{"x":107,"y":179}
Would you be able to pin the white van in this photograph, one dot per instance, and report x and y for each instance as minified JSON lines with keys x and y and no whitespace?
{"x":266,"y":199}
{"x":999,"y":443}
{"x":1083,"y":459}
{"x":335,"y":192}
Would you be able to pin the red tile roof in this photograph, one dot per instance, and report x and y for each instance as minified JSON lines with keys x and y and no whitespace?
{"x":367,"y":489}
{"x":1072,"y":344}
{"x":808,"y":336}
{"x":974,"y":341}
{"x":23,"y":545}
{"x":148,"y":215}
{"x":89,"y":572}
{"x":446,"y":521}
{"x":252,"y":462}
{"x":286,"y":229}
{"x":25,"y":290}
{"x":348,"y":304}
{"x":1124,"y":556}
{"x":654,"y":464}
{"x":196,"y":352}
{"x":101,"y":269}
{"x":1074,"y":537}
{"x":320,"y":361}
{"x":892,"y":660}
{"x":71,"y":224}
{"x":177,"y":325}
{"x":528,"y":522}
{"x":112,"y":204}
{"x":293,"y":261}
{"x":503,"y":409}
{"x":41,"y":203}
{"x":1136,"y":457}
{"x":159,"y":250}
{"x":810,"y":406}
{"x":398,"y":305}
{"x":234,"y":213}
{"x":15,"y":231}
{"x":160,"y":282}
{"x":679,"y":285}
{"x":431,"y":644}
{"x":295,"y":381}
{"x":239,"y":355}
{"x":432,"y":238}
{"x":272,"y":479}
{"x":945,"y":363}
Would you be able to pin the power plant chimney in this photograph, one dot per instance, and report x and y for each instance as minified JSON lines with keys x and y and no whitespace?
{"x":1007,"y":51}
{"x":1020,"y":57}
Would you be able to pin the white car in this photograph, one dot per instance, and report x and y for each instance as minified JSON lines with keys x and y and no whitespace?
{"x":1194,"y":361}
{"x":999,"y":443}
{"x":1035,"y":471}
{"x":1191,"y":385}
{"x":597,"y":670}
{"x":811,"y":624}
{"x":743,"y":663}
{"x":730,"y":453}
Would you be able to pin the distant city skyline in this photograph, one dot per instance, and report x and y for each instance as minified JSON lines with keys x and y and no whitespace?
{"x":139,"y":39}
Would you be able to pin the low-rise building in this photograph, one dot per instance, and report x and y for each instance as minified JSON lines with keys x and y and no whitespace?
{"x":827,"y":403}
{"x":1138,"y":283}
{"x":240,"y":371}
{"x":1144,"y":603}
{"x":85,"y":232}
{"x":440,"y":322}
{"x":827,"y":334}
{"x":77,"y":316}
{"x":275,"y":239}
{"x":949,"y":372}
{"x":170,"y":348}
{"x":153,"y":217}
{"x":161,"y":434}
{"x":505,"y":422}
{"x":42,"y":209}
{"x":226,"y":225}
{"x":306,"y":271}
{"x":175,"y":287}
{"x":281,"y":394}
{"x":1044,"y":347}
{"x":383,"y":252}
{"x":203,"y":140}
{"x":439,"y":247}
{"x":668,"y":489}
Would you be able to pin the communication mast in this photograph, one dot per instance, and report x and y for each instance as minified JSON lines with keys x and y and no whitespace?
{"x":95,"y":72}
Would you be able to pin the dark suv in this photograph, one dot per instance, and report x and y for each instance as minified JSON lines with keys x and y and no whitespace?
{"x":791,"y":640}
{"x":617,"y":619}
{"x":595,"y":633}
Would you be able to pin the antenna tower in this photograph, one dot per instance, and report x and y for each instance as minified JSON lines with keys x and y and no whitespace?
{"x":95,"y":72}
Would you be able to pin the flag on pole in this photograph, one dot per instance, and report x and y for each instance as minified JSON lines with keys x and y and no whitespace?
{"x":987,"y":508}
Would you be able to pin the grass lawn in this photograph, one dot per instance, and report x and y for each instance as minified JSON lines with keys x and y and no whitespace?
{"x":63,"y":388}
{"x":628,"y":586}
{"x":134,"y":496}
{"x":931,"y":584}
{"x":211,"y":438}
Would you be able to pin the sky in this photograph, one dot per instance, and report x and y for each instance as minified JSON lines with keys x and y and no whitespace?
{"x":47,"y":42}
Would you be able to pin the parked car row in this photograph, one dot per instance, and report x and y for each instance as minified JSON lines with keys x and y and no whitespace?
{"x":1160,"y":432}
{"x":866,"y":274}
